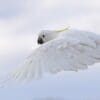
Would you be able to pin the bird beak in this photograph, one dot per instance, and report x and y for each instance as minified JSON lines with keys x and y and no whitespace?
{"x":40,"y":41}
{"x":62,"y":30}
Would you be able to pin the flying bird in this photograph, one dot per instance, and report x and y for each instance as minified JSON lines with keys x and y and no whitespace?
{"x":60,"y":50}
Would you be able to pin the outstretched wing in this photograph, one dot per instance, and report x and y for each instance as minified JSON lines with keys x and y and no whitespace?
{"x":72,"y":51}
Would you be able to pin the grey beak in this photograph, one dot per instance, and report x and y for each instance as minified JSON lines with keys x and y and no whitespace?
{"x":40,"y":41}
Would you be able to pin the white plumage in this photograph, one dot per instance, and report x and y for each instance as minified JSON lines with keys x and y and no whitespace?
{"x":66,"y":50}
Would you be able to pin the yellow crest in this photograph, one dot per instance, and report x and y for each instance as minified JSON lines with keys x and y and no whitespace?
{"x":61,"y":30}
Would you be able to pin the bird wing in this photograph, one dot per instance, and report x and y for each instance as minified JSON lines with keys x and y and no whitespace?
{"x":73,"y":51}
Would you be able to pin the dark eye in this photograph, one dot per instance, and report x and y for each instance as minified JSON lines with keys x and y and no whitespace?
{"x":43,"y":36}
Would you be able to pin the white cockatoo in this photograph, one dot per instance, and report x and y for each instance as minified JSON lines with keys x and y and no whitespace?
{"x":60,"y":50}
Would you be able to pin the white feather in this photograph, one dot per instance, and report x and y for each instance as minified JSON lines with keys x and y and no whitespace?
{"x":72,"y":50}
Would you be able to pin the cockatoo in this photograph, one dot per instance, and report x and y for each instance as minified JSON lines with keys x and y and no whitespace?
{"x":60,"y":50}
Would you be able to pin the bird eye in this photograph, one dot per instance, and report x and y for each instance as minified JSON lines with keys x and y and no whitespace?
{"x":43,"y":36}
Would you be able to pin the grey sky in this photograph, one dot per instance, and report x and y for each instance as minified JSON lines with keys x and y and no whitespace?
{"x":21,"y":20}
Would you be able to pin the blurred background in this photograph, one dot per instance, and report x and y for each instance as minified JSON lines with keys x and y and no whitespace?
{"x":20,"y":21}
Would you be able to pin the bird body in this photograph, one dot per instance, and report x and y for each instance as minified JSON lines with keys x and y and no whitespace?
{"x":66,"y":50}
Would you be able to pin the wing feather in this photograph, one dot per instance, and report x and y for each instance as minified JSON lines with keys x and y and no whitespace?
{"x":73,"y":51}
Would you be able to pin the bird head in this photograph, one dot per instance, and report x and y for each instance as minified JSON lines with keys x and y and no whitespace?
{"x":47,"y":35}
